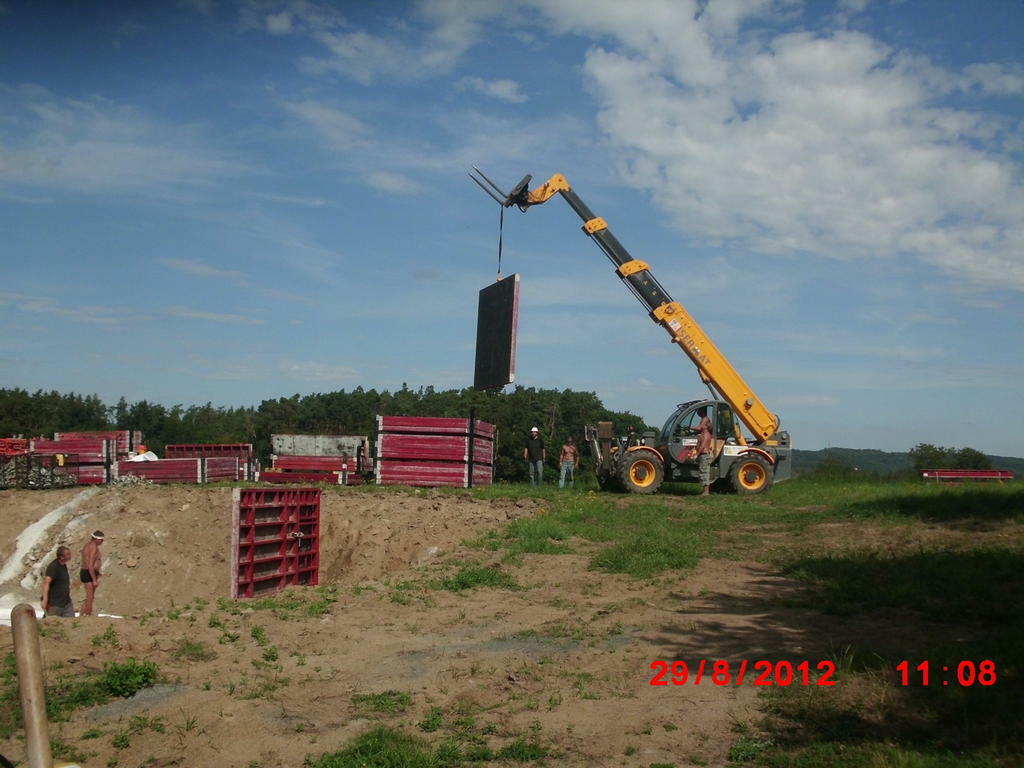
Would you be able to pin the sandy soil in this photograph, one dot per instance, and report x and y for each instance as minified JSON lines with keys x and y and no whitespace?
{"x":565,"y":661}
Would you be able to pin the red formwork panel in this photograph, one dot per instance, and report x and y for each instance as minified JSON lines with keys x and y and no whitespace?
{"x":437,"y":447}
{"x":164,"y":470}
{"x":242,"y":451}
{"x":84,"y":450}
{"x":966,"y":474}
{"x":433,"y":425}
{"x":275,"y":540}
{"x":314,"y":463}
{"x":13,"y":446}
{"x":430,"y":473}
{"x":278,"y":476}
{"x":126,"y":439}
{"x":220,"y":469}
{"x":89,"y":474}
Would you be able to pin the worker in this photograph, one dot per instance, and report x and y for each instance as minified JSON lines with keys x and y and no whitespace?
{"x":92,"y":560}
{"x":704,"y":450}
{"x":568,"y":462}
{"x":56,"y":598}
{"x":535,"y":454}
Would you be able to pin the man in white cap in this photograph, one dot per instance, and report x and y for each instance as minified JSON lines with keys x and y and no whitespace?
{"x":535,"y":454}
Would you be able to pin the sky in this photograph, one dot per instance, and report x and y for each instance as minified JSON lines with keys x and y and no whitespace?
{"x":233,"y":200}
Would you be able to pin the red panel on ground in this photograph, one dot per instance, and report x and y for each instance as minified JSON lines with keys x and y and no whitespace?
{"x":313,"y":463}
{"x":218,"y":469}
{"x":275,"y":540}
{"x":275,"y":476}
{"x":204,"y":450}
{"x":164,"y":470}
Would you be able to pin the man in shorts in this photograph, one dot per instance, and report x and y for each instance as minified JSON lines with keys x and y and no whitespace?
{"x":92,"y":560}
{"x":56,"y":597}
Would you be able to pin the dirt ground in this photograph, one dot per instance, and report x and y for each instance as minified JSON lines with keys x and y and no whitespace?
{"x":565,"y":662}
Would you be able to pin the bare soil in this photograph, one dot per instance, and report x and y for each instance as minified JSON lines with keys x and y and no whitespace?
{"x":565,"y":661}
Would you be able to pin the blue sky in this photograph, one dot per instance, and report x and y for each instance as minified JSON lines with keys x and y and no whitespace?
{"x":231,"y":201}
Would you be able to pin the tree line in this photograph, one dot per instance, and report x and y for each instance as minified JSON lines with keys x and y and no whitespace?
{"x":558,"y":414}
{"x":839,"y":464}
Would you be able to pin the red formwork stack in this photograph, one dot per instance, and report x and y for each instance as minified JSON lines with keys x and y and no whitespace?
{"x":332,"y":459}
{"x":125,"y":440}
{"x":217,"y":470}
{"x":86,"y":458}
{"x":275,"y":539}
{"x":430,"y":451}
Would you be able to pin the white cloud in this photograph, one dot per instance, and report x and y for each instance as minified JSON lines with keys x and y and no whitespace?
{"x":318,"y":373}
{"x":201,"y":269}
{"x":393,"y":183}
{"x":97,"y":146}
{"x":279,"y":23}
{"x":504,"y":90}
{"x":341,"y":130}
{"x":826,"y":144}
{"x":214,"y":317}
{"x":46,"y":305}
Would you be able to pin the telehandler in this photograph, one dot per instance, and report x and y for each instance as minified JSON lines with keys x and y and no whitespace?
{"x":748,"y":463}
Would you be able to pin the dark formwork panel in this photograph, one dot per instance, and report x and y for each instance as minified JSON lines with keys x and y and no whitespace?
{"x":497,"y":318}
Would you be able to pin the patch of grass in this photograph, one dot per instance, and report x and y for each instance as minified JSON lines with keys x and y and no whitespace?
{"x":193,"y":650}
{"x":387,"y":701}
{"x":432,"y":721}
{"x":108,"y":639}
{"x":388,"y":748}
{"x":63,"y":751}
{"x":290,"y":604}
{"x":473,"y":576}
{"x":522,"y":751}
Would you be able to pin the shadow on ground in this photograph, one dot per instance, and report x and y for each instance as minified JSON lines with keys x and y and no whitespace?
{"x":953,"y":610}
{"x":964,"y":506}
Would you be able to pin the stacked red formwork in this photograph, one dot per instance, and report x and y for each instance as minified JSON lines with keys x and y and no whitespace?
{"x":13,"y":446}
{"x":163,"y":471}
{"x":275,"y":540}
{"x":88,"y":459}
{"x":429,"y":451}
{"x":243,"y":452}
{"x":126,"y":440}
{"x":332,"y":459}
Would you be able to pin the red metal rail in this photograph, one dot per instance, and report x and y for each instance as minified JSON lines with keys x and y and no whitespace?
{"x":966,"y":474}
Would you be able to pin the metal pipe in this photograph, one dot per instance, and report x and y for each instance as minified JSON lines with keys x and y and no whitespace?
{"x":28,"y":662}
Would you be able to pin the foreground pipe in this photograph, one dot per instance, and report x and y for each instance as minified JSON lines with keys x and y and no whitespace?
{"x":29,"y":663}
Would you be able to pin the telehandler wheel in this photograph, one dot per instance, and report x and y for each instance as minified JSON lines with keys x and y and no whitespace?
{"x":750,"y":474}
{"x":641,"y":472}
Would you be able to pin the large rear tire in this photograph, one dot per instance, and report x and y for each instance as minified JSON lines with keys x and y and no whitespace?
{"x":641,"y":471}
{"x":750,"y":474}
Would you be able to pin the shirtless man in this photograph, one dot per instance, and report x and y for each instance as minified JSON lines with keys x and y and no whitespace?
{"x":704,"y":450}
{"x":90,"y":573}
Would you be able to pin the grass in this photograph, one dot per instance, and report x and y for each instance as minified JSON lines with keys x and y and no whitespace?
{"x":388,"y":702}
{"x":475,"y":576}
{"x":71,"y":692}
{"x":960,"y":599}
{"x":387,"y":748}
{"x":290,"y":604}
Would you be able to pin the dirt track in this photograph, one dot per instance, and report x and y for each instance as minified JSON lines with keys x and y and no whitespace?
{"x":565,"y":661}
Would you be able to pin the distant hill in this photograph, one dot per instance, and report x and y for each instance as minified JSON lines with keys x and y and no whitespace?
{"x":882,"y":462}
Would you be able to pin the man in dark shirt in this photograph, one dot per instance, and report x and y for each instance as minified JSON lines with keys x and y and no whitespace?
{"x":57,"y":587}
{"x":535,"y":455}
